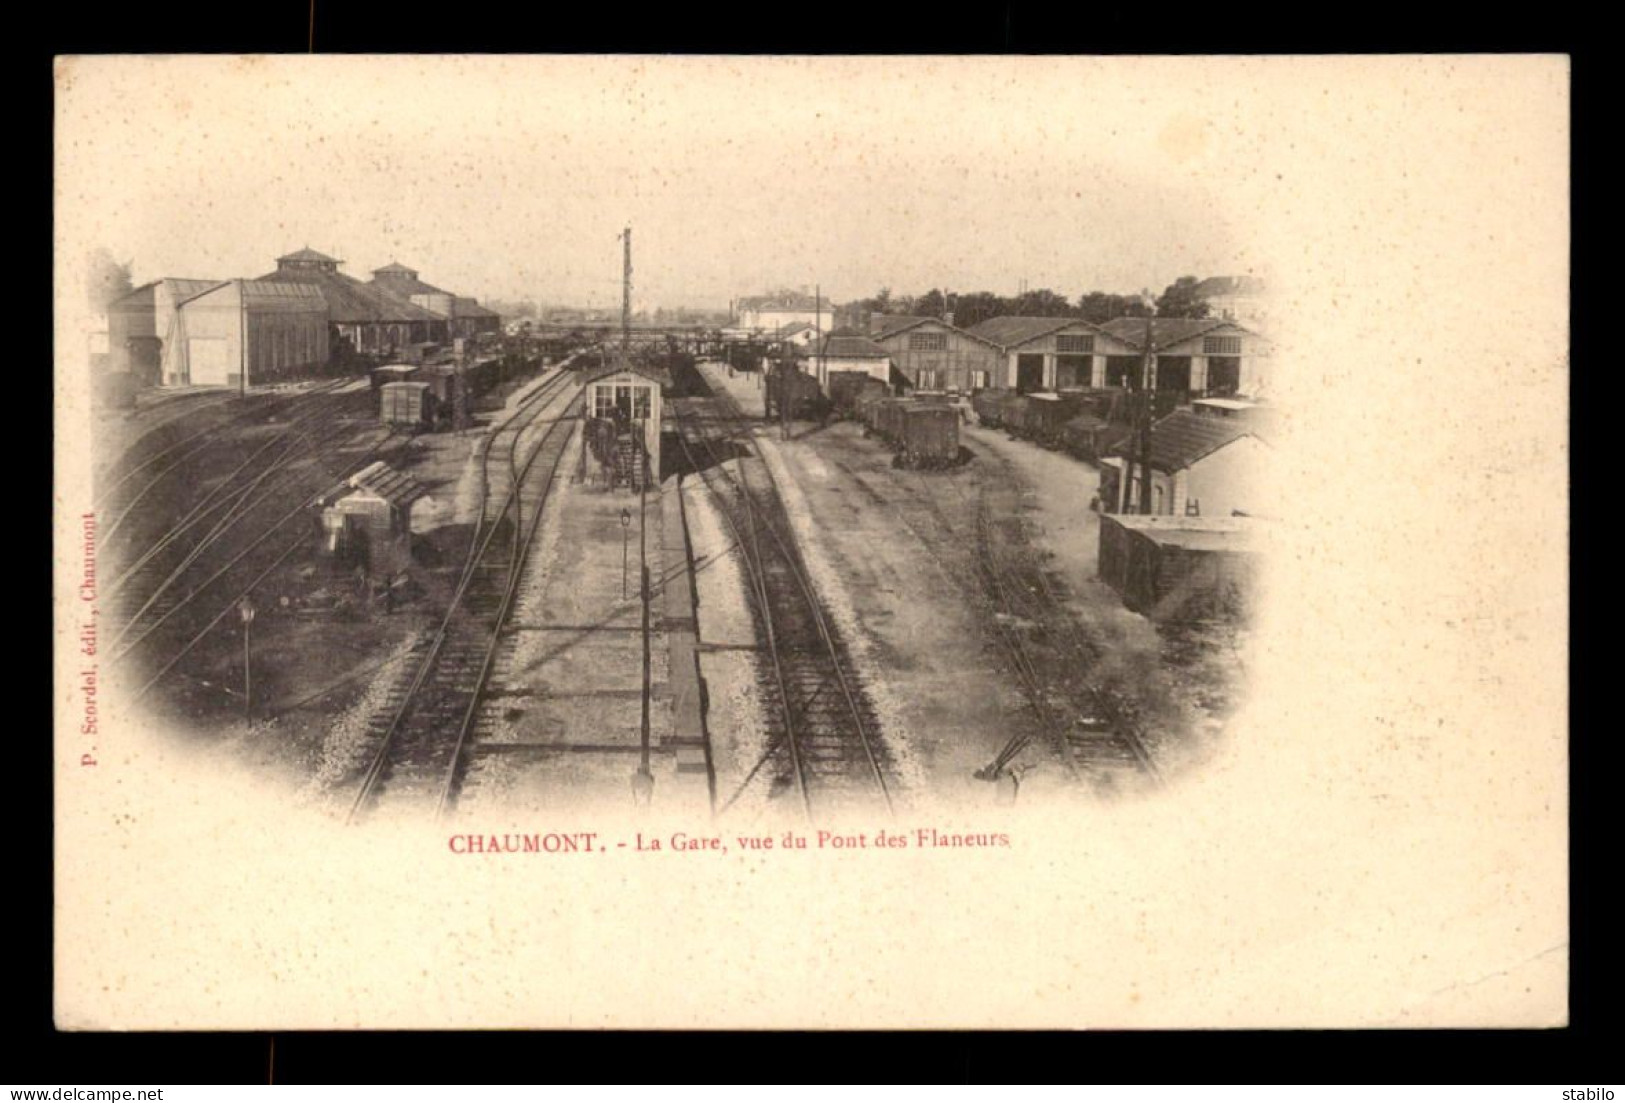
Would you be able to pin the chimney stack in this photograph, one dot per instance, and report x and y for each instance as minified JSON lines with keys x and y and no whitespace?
{"x":948,"y":317}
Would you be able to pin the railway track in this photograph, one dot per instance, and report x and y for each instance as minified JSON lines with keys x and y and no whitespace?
{"x":1083,"y":726}
{"x":826,"y":738}
{"x":197,"y":574}
{"x":147,"y":588}
{"x":1086,"y":727}
{"x":424,"y":730}
{"x":142,"y":477}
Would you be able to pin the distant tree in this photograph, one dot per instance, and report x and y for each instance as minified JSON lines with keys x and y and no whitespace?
{"x":1179,"y":300}
{"x":107,"y":279}
{"x":977,"y":307}
{"x":932,"y":304}
{"x":1044,"y":303}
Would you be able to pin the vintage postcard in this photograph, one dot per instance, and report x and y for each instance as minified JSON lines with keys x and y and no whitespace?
{"x":764,"y":542}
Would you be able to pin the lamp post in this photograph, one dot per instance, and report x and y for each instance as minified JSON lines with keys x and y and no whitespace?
{"x":626,"y":534}
{"x":245,"y":609}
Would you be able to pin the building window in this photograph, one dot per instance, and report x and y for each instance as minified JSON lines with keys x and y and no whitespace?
{"x":1075,"y":342}
{"x":927,"y":342}
{"x":978,"y":380}
{"x":1221,"y":346}
{"x":928,"y":379}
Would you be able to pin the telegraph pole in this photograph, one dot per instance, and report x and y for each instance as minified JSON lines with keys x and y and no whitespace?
{"x":1148,"y":382}
{"x":818,"y":330}
{"x":626,"y":295}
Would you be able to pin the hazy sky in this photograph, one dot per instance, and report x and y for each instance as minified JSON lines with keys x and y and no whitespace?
{"x":511,"y":177}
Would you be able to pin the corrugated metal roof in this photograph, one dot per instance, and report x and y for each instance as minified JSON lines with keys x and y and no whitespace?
{"x":904,"y":325}
{"x":884,"y":325}
{"x":284,"y":291}
{"x":1017,"y":329}
{"x":847,"y":348}
{"x":1164,"y":331}
{"x":1183,"y":437}
{"x":404,"y":283}
{"x":349,"y":301}
{"x":463,"y":306}
{"x":380,"y":479}
{"x":185,"y":288}
{"x":659,"y":375}
{"x":310,"y":255}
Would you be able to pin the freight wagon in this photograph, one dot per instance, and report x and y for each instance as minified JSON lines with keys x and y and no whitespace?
{"x":865,"y":404}
{"x":408,"y":404}
{"x":1089,"y":437}
{"x":887,"y":419}
{"x":928,"y":436}
{"x":847,"y":387}
{"x":796,"y":392}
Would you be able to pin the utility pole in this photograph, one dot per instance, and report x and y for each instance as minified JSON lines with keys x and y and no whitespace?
{"x":1148,"y":383}
{"x":643,"y":785}
{"x":818,"y":330}
{"x":626,"y":296}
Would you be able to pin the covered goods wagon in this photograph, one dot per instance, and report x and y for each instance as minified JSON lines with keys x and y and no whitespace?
{"x":409,"y":404}
{"x":928,"y":436}
{"x":1179,"y":569}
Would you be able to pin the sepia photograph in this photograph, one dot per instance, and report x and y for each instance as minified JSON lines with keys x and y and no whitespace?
{"x":653,"y":496}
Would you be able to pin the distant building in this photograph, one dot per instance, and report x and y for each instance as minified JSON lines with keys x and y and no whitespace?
{"x":466,"y":316}
{"x":846,"y":354}
{"x":1241,"y":299}
{"x":795,"y":334}
{"x":769,"y":312}
{"x":1200,"y":467}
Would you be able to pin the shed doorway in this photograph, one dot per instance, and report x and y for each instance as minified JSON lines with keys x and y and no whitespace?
{"x":1223,"y":375}
{"x":1029,"y":372}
